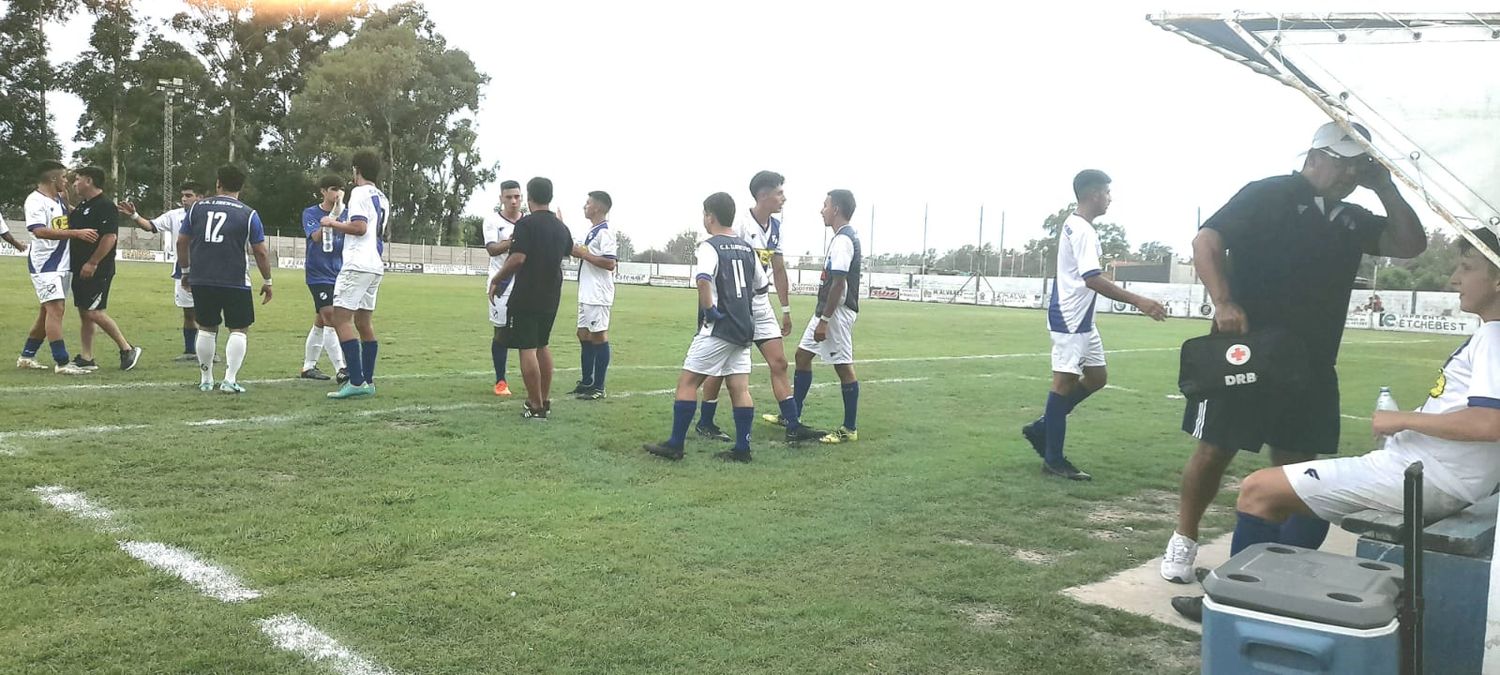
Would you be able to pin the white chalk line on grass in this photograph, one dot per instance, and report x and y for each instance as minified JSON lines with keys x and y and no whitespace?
{"x":271,"y":420}
{"x":186,"y":384}
{"x":292,"y":634}
{"x":287,"y":631}
{"x":77,"y":504}
{"x":210,"y":580}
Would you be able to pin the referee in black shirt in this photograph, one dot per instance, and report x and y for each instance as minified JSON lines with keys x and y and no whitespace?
{"x":1282,"y":254}
{"x":538,"y":248}
{"x":93,"y":267}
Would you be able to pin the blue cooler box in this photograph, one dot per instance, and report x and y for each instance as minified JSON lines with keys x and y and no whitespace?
{"x":1292,"y":611}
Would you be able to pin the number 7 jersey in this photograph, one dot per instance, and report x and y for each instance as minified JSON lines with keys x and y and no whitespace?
{"x":362,"y":252}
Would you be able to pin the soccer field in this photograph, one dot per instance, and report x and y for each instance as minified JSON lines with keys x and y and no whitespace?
{"x":432,"y":530}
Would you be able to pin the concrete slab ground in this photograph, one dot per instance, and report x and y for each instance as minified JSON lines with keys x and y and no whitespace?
{"x":1141,"y":590}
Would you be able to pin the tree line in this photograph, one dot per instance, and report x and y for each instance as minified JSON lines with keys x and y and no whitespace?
{"x":286,"y":90}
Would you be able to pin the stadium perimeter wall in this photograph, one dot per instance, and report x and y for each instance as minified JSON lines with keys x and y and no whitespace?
{"x":1389,"y":310}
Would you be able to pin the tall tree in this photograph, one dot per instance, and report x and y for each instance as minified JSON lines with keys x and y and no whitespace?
{"x":626,"y":247}
{"x":1154,"y":251}
{"x":102,"y":77}
{"x":397,"y":87}
{"x":26,"y":76}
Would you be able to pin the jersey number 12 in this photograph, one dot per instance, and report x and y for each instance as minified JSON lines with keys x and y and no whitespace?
{"x":214,"y":231}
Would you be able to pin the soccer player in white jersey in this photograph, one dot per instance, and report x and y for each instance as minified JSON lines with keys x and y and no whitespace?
{"x":497,"y":239}
{"x":1077,"y":352}
{"x":358,"y":282}
{"x":9,"y":238}
{"x":169,"y":225}
{"x":1455,"y":434}
{"x":596,"y":295}
{"x":830,"y":334}
{"x":762,"y":230}
{"x":48,"y":262}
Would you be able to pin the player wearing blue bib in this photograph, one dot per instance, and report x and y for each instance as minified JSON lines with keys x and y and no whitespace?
{"x":729,"y":277}
{"x":324,"y":259}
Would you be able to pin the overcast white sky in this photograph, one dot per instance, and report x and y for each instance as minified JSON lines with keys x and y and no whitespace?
{"x":948,"y":103}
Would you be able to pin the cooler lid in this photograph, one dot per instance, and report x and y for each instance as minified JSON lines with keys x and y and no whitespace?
{"x":1309,"y":585}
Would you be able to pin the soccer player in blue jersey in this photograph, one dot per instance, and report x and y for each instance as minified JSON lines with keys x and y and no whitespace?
{"x":218,"y":231}
{"x":169,"y":225}
{"x":358,"y":283}
{"x":1077,"y":352}
{"x":325,"y":256}
{"x":729,"y":275}
{"x":830,"y":333}
{"x":47,"y":261}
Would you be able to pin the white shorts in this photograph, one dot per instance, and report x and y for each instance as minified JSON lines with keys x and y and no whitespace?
{"x":838,"y":348}
{"x":716,"y":357}
{"x":180,"y":295}
{"x":50,"y":286}
{"x":1334,"y":488}
{"x":498,"y":306}
{"x":1072,"y":352}
{"x":594,"y":317}
{"x":767,"y":324}
{"x":356,"y":290}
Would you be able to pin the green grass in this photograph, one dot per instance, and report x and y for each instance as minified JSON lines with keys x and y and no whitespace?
{"x":404,"y":533}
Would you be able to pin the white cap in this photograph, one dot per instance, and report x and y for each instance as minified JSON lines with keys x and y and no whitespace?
{"x":1333,"y":138}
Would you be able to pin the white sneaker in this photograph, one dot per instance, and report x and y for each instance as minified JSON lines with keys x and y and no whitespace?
{"x":28,"y":363}
{"x":1177,"y":562}
{"x":70,"y":369}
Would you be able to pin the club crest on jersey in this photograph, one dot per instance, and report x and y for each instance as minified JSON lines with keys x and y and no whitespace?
{"x":1237,"y":355}
{"x":1440,"y":387}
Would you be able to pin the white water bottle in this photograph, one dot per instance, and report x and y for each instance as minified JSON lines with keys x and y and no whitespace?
{"x":327,"y":239}
{"x":1385,"y":402}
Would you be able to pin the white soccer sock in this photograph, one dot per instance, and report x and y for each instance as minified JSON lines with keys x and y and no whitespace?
{"x":331,"y":346}
{"x":206,"y":346}
{"x":234,"y":353}
{"x":313,"y":349}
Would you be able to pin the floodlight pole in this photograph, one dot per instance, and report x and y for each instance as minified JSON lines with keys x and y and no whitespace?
{"x":169,"y":88}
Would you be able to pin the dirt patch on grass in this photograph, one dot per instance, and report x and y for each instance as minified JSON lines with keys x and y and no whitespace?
{"x":985,"y":617}
{"x":1034,"y":557}
{"x":978,"y":544}
{"x":1114,"y":515}
{"x":1107,"y":535}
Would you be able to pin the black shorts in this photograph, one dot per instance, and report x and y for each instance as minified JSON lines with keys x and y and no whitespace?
{"x":322,"y":296}
{"x":527,"y":330}
{"x":91,"y":294}
{"x":1304,"y":421}
{"x":232,"y":307}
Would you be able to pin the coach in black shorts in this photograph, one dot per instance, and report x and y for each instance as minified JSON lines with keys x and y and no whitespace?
{"x":1293,"y":248}
{"x":93,"y":267}
{"x":540,"y":244}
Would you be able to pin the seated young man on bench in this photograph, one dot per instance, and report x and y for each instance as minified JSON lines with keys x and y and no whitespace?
{"x":1455,"y":434}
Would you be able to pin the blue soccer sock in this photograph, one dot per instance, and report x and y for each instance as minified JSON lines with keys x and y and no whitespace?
{"x":1304,"y":531}
{"x":601,"y":364}
{"x":353,"y":362}
{"x":59,"y":352}
{"x":709,"y":408}
{"x":801,"y":383}
{"x":682,"y":417}
{"x":586,"y":362}
{"x":370,"y":349}
{"x":32,"y":346}
{"x":743,"y":419}
{"x":190,"y":340}
{"x":1251,"y":530}
{"x":498,"y":353}
{"x":851,"y":404}
{"x":789,"y":413}
{"x":1080,"y":393}
{"x":1056,"y":424}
